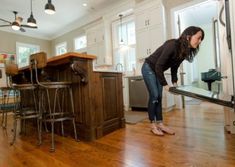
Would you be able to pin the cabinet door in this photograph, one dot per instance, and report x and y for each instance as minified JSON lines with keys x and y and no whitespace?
{"x":91,"y":38}
{"x":156,"y":36}
{"x":142,"y":44}
{"x":155,"y":16}
{"x":149,"y":28}
{"x":110,"y":95}
{"x":95,"y":35}
{"x":99,"y":34}
{"x":112,"y":101}
{"x":141,"y":20}
{"x":92,"y":50}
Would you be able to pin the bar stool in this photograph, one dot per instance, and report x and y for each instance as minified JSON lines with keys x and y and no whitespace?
{"x":21,"y":111}
{"x":6,"y":105}
{"x":7,"y":100}
{"x":52,"y":98}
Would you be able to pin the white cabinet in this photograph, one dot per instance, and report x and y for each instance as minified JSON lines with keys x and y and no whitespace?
{"x":95,"y":35}
{"x":148,"y":41}
{"x":168,"y":101}
{"x":150,"y":33}
{"x":97,"y":44}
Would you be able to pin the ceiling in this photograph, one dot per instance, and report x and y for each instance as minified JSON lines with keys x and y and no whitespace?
{"x":68,"y":13}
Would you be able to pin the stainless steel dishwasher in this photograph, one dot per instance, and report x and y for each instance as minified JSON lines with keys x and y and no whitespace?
{"x":138,"y":94}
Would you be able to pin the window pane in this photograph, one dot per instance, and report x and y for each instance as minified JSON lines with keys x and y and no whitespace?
{"x":131,"y":59}
{"x":131,"y":33}
{"x":80,"y":42}
{"x":23,"y":53}
{"x":61,"y":48}
{"x":124,"y":53}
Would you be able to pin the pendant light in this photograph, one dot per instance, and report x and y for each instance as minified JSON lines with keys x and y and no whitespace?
{"x":121,"y":40}
{"x":49,"y":8}
{"x":31,"y":21}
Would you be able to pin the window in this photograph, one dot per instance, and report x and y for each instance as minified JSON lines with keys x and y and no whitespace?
{"x":80,"y":43}
{"x":124,"y":52}
{"x":23,"y":51}
{"x":61,"y":48}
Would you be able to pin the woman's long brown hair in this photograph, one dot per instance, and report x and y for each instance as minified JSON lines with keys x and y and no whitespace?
{"x":186,"y":52}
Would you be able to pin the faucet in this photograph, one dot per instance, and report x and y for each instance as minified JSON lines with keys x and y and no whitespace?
{"x":121,"y":67}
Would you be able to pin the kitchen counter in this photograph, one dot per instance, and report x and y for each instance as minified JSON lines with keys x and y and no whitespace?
{"x":98,"y":99}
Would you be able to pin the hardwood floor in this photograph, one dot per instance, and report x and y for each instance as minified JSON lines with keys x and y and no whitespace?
{"x":200,"y":141}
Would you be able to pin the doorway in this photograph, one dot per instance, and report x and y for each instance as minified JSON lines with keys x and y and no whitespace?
{"x":209,"y":15}
{"x":202,"y":14}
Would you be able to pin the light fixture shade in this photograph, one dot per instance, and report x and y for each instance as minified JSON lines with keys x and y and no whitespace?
{"x":121,"y":40}
{"x":15,"y":26}
{"x":49,"y":8}
{"x":31,"y":21}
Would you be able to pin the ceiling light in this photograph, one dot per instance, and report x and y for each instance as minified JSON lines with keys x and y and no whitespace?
{"x":121,"y":42}
{"x":15,"y":26}
{"x":84,"y":4}
{"x":49,"y":8}
{"x":31,"y":21}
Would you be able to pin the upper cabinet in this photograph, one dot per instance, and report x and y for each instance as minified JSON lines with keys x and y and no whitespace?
{"x":150,"y":27}
{"x":99,"y":44}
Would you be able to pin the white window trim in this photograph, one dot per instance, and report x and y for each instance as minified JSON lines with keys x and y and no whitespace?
{"x":20,"y":44}
{"x":115,"y":24}
{"x":74,"y":43}
{"x":59,"y":45}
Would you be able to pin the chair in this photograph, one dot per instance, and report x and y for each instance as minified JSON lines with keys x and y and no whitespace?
{"x":52,"y":98}
{"x":21,"y":111}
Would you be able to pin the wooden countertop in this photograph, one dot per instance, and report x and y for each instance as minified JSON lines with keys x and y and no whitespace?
{"x":70,"y":55}
{"x":64,"y":58}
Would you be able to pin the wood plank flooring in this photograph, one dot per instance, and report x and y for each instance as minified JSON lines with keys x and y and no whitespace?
{"x":200,"y":141}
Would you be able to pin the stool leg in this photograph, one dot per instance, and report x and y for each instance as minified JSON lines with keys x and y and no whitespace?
{"x":52,"y":138}
{"x":44,"y":96}
{"x":4,"y":118}
{"x":52,"y":149}
{"x":14,"y":130}
{"x":61,"y":108}
{"x":72,"y":107}
{"x":4,"y":111}
{"x":39,"y":131}
{"x":62,"y":128}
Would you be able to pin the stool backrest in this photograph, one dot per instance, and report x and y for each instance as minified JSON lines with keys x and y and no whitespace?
{"x":38,"y":60}
{"x":11,"y":69}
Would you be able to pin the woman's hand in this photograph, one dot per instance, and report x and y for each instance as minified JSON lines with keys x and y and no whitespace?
{"x":166,"y":88}
{"x":175,"y":84}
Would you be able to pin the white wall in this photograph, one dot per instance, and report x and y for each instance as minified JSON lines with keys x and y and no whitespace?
{"x":107,"y":14}
{"x":8,"y":42}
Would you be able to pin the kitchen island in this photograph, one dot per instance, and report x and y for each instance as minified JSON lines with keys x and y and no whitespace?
{"x":98,"y":97}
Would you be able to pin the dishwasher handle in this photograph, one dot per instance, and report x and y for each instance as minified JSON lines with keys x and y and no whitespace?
{"x":134,"y":80}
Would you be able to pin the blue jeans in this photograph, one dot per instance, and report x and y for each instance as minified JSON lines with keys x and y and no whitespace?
{"x":155,"y":93}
